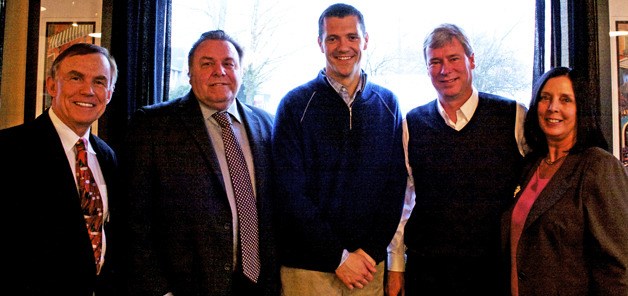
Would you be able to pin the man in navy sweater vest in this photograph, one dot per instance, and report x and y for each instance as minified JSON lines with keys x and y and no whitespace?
{"x":464,"y":153}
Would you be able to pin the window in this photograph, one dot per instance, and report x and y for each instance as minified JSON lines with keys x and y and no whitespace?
{"x":281,"y":52}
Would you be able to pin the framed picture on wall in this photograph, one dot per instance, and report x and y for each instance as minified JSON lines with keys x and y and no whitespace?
{"x":59,"y":36}
{"x":2,"y":12}
{"x":622,"y":86}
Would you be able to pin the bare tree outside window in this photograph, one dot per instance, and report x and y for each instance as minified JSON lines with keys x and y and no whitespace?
{"x":499,"y":68}
{"x":279,"y":39}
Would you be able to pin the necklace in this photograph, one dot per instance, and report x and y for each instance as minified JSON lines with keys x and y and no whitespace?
{"x":549,"y":162}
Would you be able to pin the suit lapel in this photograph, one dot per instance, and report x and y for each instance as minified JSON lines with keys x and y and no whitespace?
{"x":252,"y":125}
{"x":105,"y":159}
{"x":554,"y":190}
{"x":46,"y":134}
{"x":192,"y":118}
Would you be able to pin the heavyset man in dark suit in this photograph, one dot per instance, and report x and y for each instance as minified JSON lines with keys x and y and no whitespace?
{"x":47,"y":245}
{"x":183,"y":219}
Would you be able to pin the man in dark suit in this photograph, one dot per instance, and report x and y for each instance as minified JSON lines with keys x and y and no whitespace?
{"x":188,"y":235}
{"x":47,"y":244}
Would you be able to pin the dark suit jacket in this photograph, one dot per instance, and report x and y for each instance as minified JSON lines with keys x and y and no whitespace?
{"x":180,"y":218}
{"x":575,"y":238}
{"x":47,"y":247}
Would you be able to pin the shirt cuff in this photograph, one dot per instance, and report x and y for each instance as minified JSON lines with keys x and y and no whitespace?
{"x":396,"y":262}
{"x":345,"y":255}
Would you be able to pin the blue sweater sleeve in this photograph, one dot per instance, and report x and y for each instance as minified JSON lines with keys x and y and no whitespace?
{"x":303,"y":229}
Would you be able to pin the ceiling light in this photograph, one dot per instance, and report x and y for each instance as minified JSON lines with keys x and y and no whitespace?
{"x":618,"y":33}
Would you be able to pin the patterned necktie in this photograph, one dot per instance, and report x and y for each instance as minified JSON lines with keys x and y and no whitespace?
{"x":245,"y":199}
{"x":91,"y":203}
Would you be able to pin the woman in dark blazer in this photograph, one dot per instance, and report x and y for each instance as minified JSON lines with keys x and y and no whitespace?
{"x":567,"y":231}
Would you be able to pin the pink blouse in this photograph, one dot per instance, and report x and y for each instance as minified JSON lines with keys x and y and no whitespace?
{"x":519,"y":215}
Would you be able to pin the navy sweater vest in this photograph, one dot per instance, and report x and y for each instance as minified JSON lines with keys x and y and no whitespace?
{"x":463,"y":179}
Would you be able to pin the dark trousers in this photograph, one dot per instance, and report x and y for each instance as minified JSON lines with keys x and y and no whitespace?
{"x":445,"y":276}
{"x":243,"y":286}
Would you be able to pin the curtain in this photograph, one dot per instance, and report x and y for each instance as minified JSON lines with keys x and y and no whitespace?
{"x":539,"y":40}
{"x":140,"y":43}
{"x":32,"y":54}
{"x":579,"y":39}
{"x":589,"y":51}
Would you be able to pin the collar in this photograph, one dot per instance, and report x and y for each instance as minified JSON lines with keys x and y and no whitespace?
{"x":467,"y":109}
{"x":67,"y":135}
{"x":337,"y":86}
{"x":232,"y":110}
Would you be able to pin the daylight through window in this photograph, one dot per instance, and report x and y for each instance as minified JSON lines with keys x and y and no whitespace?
{"x":281,"y":52}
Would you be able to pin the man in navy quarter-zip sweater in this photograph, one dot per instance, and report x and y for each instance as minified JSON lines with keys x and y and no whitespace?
{"x":340,"y":169}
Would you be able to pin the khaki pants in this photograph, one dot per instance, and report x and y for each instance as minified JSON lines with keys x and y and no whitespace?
{"x":302,"y":282}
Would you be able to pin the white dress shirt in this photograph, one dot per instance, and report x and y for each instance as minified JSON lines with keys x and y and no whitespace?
{"x":68,"y":140}
{"x":215,"y":134}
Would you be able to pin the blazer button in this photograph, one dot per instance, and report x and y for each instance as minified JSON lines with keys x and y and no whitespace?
{"x":521,"y":275}
{"x":227,"y":226}
{"x":227,"y":267}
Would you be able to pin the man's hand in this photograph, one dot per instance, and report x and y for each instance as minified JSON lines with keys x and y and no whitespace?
{"x":394,"y":284}
{"x":357,"y":270}
{"x":365,"y":255}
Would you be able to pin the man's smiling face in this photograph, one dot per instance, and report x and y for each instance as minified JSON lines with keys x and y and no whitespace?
{"x":342,"y":43}
{"x":216,"y":75}
{"x":450,"y":70}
